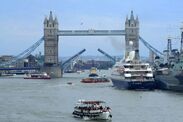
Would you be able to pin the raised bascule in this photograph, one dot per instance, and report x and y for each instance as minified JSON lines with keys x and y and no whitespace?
{"x":51,"y":40}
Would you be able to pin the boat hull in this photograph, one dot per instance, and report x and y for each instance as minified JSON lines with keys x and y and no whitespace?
{"x":168,"y":82}
{"x":95,"y":80}
{"x":90,"y":116}
{"x":36,"y":78}
{"x":126,"y":84}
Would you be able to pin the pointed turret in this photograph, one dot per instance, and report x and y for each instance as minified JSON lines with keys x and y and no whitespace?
{"x":51,"y":17}
{"x":137,"y":18}
{"x":137,"y":21}
{"x":131,"y":17}
{"x":126,"y":18}
{"x":45,"y":20}
{"x":56,"y":20}
{"x":127,"y":21}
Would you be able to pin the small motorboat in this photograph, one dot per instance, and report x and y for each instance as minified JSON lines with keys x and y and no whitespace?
{"x":69,"y":83}
{"x":37,"y":76}
{"x":92,"y":110}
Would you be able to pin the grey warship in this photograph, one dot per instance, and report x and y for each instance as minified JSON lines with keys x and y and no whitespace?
{"x":170,"y":78}
{"x":169,"y":75}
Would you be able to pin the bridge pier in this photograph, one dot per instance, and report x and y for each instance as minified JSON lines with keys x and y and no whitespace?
{"x":53,"y":71}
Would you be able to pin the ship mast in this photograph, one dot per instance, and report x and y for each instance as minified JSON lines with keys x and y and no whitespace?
{"x":181,"y":41}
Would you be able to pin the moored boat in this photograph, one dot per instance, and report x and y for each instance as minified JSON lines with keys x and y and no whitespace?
{"x":95,"y":80}
{"x":92,"y":110}
{"x":132,"y":74}
{"x":169,"y":73}
{"x":171,"y":80}
{"x":94,"y":77}
{"x":37,"y":76}
{"x":170,"y":77}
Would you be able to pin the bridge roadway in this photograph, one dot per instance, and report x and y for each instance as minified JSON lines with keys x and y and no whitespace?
{"x":91,"y":32}
{"x":23,"y":68}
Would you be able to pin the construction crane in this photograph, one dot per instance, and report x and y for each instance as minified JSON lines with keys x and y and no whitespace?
{"x":107,"y":55}
{"x":25,"y":53}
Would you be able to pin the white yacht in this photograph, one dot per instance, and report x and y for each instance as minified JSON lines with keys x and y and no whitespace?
{"x":132,"y":74}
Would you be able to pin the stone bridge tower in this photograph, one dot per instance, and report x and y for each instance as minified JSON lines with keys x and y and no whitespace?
{"x":51,"y":61}
{"x":132,"y":35}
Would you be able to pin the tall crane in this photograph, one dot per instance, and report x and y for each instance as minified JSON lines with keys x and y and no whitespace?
{"x":25,"y":53}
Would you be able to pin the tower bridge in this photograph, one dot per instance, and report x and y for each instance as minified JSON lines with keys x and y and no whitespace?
{"x":51,"y":39}
{"x":52,"y":32}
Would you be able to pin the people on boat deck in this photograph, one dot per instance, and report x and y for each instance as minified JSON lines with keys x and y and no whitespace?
{"x":93,"y":107}
{"x":101,"y":107}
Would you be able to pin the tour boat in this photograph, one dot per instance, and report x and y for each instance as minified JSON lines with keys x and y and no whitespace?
{"x":92,"y":110}
{"x":37,"y":76}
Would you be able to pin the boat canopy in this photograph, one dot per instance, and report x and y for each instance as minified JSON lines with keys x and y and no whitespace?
{"x":91,"y":102}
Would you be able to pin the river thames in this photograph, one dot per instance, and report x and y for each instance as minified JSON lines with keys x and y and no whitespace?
{"x":53,"y":100}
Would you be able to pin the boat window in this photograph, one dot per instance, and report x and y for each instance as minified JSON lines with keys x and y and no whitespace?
{"x":159,"y":72}
{"x":127,"y":78}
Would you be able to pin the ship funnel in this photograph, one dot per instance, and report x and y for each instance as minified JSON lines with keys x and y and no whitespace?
{"x":130,"y":57}
{"x":133,"y":56}
{"x":136,"y":54}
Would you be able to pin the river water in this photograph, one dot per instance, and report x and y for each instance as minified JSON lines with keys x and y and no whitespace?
{"x":53,"y":100}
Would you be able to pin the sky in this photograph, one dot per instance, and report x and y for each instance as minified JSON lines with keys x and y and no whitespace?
{"x":21,"y":24}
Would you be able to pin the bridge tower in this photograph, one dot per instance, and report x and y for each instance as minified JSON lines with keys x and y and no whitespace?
{"x":51,"y":62}
{"x":132,"y":35}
